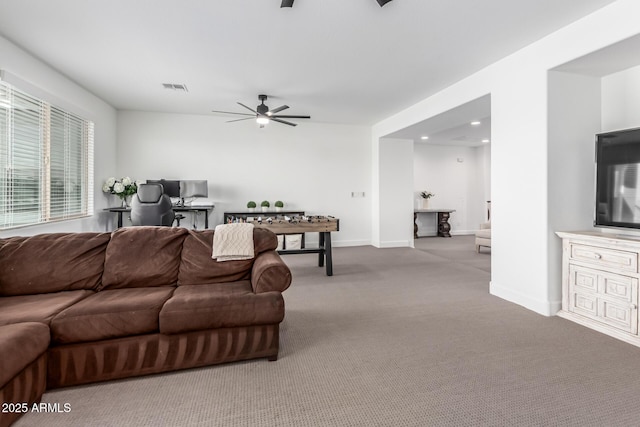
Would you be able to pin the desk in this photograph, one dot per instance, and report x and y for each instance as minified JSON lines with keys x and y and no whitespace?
{"x":187,"y":208}
{"x":319,"y":224}
{"x":444,"y":227}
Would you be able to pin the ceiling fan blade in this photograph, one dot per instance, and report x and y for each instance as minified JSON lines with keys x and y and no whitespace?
{"x":282,"y":121}
{"x":290,"y":117}
{"x":237,"y":120}
{"x":250,"y":109}
{"x":277,"y":110}
{"x":231,"y":112}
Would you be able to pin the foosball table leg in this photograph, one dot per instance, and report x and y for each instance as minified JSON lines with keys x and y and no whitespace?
{"x":327,"y":251}
{"x":321,"y":253}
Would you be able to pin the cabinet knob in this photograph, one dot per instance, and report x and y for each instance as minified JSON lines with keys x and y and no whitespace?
{"x":597,"y":256}
{"x":633,"y":306}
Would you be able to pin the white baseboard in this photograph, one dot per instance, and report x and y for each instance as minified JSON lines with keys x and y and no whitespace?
{"x":393,"y":244}
{"x":462,"y":232}
{"x":348,"y":243}
{"x":313,"y":241}
{"x":452,"y":232}
{"x":544,"y":307}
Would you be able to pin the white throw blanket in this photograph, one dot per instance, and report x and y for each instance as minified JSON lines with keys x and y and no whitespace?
{"x":233,"y":242}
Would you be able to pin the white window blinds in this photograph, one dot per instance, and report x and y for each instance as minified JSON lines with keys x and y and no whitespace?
{"x":46,"y":157}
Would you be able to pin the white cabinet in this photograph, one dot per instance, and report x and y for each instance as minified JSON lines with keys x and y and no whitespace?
{"x":600,"y":282}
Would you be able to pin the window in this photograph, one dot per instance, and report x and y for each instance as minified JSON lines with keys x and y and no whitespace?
{"x":46,"y":161}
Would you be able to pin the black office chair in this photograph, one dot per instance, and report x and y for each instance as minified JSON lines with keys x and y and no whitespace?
{"x":150,"y":206}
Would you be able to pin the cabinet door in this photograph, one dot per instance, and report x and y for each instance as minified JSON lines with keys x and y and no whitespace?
{"x":617,"y":287}
{"x":618,"y":302}
{"x":582,"y":279}
{"x":585,"y":304}
{"x":622,"y":316}
{"x":606,"y":297}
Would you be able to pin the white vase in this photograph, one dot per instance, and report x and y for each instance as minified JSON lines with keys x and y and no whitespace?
{"x":265,"y":208}
{"x":425,"y":203}
{"x":251,"y":209}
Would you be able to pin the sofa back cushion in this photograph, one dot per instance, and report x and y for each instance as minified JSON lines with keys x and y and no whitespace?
{"x":198,"y":268}
{"x":139,"y":257}
{"x":51,"y":263}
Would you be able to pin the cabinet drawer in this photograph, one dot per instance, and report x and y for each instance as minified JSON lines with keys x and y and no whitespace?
{"x":622,"y":260}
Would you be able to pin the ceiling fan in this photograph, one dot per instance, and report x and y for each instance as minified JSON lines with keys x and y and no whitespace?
{"x":263,"y":115}
{"x":289,"y":3}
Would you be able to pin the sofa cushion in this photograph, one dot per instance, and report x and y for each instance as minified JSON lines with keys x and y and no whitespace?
{"x":37,"y":308}
{"x":219,"y":305}
{"x":111,"y":313}
{"x":143,"y":256}
{"x":20,"y":345}
{"x":198,"y":268}
{"x":41,"y":264}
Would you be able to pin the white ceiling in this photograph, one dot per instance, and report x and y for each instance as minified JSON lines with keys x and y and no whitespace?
{"x":341,"y":61}
{"x":605,"y":61}
{"x":454,"y":127}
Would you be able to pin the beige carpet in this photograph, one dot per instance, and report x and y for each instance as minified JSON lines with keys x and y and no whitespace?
{"x":397,"y":337}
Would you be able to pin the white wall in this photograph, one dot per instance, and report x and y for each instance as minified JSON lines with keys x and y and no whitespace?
{"x":48,"y":81}
{"x":396,"y":171}
{"x":581,"y":106}
{"x":621,"y":100}
{"x":457,"y":176}
{"x":312,"y":167}
{"x":574,"y":120}
{"x":520,"y":176}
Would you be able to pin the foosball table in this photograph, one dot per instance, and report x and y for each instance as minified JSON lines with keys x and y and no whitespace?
{"x":323,"y":225}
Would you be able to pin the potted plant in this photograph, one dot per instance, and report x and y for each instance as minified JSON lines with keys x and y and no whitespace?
{"x":279,"y":205}
{"x":265,"y":205}
{"x":251,"y":205}
{"x":426,"y":195}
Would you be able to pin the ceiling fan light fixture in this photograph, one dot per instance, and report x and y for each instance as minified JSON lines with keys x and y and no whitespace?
{"x":262,"y":120}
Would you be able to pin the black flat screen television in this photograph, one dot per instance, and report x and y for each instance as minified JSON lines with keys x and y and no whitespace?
{"x":618,"y":179}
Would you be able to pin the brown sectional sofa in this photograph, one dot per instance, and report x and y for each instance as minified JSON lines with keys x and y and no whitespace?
{"x":99,"y":306}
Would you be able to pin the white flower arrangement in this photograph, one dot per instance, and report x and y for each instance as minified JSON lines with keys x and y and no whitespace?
{"x":122,"y":187}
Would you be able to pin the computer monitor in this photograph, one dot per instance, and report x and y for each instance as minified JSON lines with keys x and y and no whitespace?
{"x":171,"y":187}
{"x":194,"y":188}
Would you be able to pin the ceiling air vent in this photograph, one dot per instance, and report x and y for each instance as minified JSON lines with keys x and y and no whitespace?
{"x":175,"y":86}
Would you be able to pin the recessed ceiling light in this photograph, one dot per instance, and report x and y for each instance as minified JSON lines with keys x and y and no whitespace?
{"x":485,"y":141}
{"x":424,"y":137}
{"x":475,"y":123}
{"x":175,"y":86}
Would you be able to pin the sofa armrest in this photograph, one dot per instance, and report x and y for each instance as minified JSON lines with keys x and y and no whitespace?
{"x":270,"y":273}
